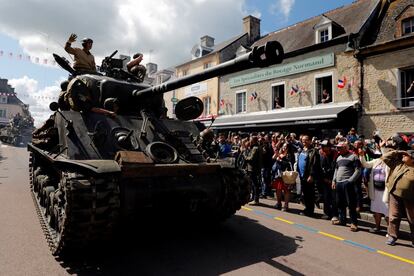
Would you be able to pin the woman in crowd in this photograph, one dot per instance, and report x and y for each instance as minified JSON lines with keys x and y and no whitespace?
{"x":281,"y":164}
{"x":376,"y":187}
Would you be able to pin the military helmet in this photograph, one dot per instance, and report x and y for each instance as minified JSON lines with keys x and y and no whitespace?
{"x":87,"y":39}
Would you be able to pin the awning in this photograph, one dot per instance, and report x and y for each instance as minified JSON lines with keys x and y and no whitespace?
{"x":299,"y":116}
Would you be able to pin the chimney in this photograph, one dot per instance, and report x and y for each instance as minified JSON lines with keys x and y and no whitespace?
{"x":207,"y":41}
{"x":151,"y":68}
{"x":251,"y":26}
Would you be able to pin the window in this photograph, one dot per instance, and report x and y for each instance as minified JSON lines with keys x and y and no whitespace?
{"x":2,"y":113}
{"x":323,"y":35}
{"x":278,"y":96}
{"x":207,"y":65}
{"x":173,"y":108}
{"x":240,"y":102}
{"x":408,"y":26}
{"x":406,"y":99}
{"x":3,"y":99}
{"x":323,"y":87}
{"x":207,"y":104}
{"x":185,"y":72}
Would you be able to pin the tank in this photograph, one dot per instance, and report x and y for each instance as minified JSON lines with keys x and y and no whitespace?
{"x":18,"y":132}
{"x":90,"y":171}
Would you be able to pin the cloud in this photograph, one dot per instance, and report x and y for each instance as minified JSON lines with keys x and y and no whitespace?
{"x":38,"y":99}
{"x":168,"y":27}
{"x":283,"y":7}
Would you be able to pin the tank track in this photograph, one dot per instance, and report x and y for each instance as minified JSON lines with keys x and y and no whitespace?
{"x":236,"y":192}
{"x":80,"y":211}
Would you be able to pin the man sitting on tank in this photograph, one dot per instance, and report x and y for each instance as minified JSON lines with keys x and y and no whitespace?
{"x":134,"y":67}
{"x":84,"y":61}
{"x":81,"y":98}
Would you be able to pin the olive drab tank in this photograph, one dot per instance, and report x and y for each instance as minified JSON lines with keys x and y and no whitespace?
{"x":96,"y":170}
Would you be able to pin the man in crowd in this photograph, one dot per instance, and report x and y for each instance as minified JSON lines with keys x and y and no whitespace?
{"x":400,"y":185}
{"x":328,"y":163}
{"x":267,"y":163}
{"x":308,"y":168}
{"x":84,"y":61}
{"x":224,"y":148}
{"x":253,"y":160}
{"x":347,"y":172}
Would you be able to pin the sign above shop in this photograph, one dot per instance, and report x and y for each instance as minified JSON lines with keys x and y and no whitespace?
{"x":287,"y":69}
{"x":195,"y":89}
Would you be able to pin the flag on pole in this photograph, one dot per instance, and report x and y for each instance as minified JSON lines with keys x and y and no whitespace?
{"x":294,"y":89}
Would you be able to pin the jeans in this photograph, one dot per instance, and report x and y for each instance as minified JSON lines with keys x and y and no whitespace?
{"x":265,"y":181}
{"x":255,"y":182}
{"x":346,"y":197}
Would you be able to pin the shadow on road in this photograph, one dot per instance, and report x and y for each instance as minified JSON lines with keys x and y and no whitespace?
{"x":169,"y":247}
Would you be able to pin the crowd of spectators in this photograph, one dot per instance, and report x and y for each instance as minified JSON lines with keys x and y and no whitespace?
{"x":341,"y":172}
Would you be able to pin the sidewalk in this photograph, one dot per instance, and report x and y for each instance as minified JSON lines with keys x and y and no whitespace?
{"x":366,"y":216}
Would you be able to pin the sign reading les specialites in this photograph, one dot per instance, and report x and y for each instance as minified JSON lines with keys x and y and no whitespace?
{"x":287,"y":69}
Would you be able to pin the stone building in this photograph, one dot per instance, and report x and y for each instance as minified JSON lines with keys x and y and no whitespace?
{"x":10,"y":104}
{"x":316,"y":89}
{"x":388,"y":63}
{"x":205,"y":55}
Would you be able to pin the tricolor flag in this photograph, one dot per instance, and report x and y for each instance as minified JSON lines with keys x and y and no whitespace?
{"x":294,"y":89}
{"x":341,"y":83}
{"x":222,"y":102}
{"x":253,"y":96}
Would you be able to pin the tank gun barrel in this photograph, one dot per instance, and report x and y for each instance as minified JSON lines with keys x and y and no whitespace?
{"x":261,"y":56}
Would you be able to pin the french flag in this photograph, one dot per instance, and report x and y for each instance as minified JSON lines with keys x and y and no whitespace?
{"x":341,"y":83}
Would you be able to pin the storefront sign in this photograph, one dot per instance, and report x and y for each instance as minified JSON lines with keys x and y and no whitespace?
{"x":305,"y":65}
{"x":195,"y":89}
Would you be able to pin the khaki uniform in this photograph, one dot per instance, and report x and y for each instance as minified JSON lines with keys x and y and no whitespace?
{"x":83,"y":60}
{"x":400,"y":183}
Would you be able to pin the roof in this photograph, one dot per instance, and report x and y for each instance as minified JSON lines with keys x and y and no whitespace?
{"x":388,"y":24}
{"x":313,"y":115}
{"x":217,"y":48}
{"x":350,"y":17}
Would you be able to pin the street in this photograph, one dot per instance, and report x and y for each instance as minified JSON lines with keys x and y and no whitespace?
{"x":257,"y":240}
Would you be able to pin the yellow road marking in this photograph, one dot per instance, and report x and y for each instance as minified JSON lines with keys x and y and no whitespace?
{"x":247,"y":209}
{"x":395,"y":257}
{"x":331,"y":236}
{"x":284,"y":220}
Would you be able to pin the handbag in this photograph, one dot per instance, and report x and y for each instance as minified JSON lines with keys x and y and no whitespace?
{"x":289,"y":177}
{"x":379,"y":185}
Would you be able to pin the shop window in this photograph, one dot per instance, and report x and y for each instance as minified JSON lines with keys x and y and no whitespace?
{"x":278,"y":96}
{"x":207,"y":104}
{"x":2,"y":113}
{"x":240,"y":102}
{"x":406,"y":98}
{"x":323,"y":89}
{"x":408,"y":26}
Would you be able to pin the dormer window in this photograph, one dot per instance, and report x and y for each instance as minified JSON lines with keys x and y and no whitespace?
{"x":408,"y":26}
{"x":323,"y":35}
{"x":326,"y":29}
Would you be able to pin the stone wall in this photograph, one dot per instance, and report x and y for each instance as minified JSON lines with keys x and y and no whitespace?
{"x":381,"y":90}
{"x":345,"y":66}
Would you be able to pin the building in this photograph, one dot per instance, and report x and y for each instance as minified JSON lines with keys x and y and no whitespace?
{"x":10,"y":104}
{"x":205,"y":55}
{"x":316,"y":89}
{"x":388,"y":62}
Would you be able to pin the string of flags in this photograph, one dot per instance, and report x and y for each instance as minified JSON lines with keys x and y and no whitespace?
{"x":342,"y":83}
{"x":28,"y":58}
{"x":28,"y":95}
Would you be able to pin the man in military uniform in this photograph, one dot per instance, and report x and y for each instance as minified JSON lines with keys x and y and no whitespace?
{"x":84,"y":60}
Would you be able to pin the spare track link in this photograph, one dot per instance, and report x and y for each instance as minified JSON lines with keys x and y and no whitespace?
{"x":88,"y":211}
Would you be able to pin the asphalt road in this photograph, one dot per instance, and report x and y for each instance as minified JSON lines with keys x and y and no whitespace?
{"x":258,"y":240}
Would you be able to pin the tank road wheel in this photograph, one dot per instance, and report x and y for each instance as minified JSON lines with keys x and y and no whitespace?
{"x":81,"y":210}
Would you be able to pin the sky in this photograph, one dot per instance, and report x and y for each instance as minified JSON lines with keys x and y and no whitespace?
{"x":163,"y":30}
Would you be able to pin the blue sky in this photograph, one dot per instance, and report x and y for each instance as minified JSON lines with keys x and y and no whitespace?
{"x":48,"y":24}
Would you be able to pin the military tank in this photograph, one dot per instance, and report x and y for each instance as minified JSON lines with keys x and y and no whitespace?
{"x":96,"y":169}
{"x":17,"y":132}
